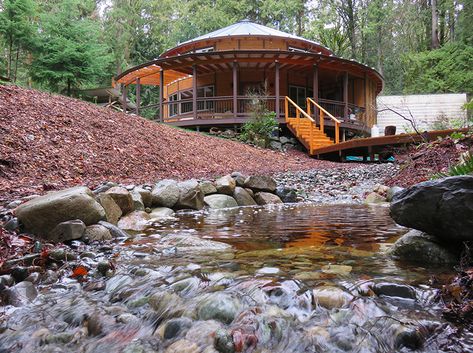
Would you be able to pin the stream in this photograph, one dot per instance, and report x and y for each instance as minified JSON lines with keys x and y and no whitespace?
{"x":280,"y":278}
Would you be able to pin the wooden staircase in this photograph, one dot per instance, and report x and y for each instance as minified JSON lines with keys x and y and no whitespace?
{"x":305,"y":128}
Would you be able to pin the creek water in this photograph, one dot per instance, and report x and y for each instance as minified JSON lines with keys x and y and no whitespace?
{"x":289,"y":278}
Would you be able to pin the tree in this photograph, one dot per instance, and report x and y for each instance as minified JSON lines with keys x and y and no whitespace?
{"x":69,"y":51}
{"x":18,"y":31}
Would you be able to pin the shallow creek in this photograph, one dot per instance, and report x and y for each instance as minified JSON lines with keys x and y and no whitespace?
{"x":290,"y":278}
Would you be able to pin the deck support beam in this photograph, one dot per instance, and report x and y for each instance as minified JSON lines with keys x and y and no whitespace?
{"x":235,"y":89}
{"x":276,"y":88}
{"x":315,"y":87}
{"x":138,"y":96}
{"x":124,"y":98}
{"x":161,"y":96}
{"x":194,"y":91}
{"x":345,"y":94}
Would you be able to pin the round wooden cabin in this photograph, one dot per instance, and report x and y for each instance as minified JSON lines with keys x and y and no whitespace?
{"x":211,"y":80}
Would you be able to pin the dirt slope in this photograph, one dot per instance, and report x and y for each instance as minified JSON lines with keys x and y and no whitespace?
{"x":48,"y":142}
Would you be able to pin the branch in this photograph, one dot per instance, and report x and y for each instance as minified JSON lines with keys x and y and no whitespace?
{"x":411,"y":120}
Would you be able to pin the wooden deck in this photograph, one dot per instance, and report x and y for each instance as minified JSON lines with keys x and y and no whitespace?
{"x":368,"y":147}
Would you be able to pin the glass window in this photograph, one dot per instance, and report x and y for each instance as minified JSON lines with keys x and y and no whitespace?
{"x":173,"y":107}
{"x":205,"y":92}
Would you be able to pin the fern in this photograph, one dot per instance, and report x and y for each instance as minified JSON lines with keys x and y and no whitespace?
{"x":463,"y":168}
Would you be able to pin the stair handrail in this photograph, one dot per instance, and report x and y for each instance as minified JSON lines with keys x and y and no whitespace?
{"x":300,"y":111}
{"x":322,"y":113}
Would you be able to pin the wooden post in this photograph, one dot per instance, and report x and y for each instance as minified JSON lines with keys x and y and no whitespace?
{"x":315,"y":88}
{"x":124,"y":98}
{"x":345,"y":94}
{"x":138,"y":96}
{"x":276,"y":88}
{"x":194,"y":90}
{"x":161,"y":96}
{"x":235,"y":90}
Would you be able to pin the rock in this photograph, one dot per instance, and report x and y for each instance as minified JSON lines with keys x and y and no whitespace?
{"x":220,"y":201}
{"x":225,"y":185}
{"x":341,"y":270}
{"x":19,"y":273}
{"x":165,"y":193}
{"x":67,"y":231}
{"x":239,"y":178}
{"x":161,"y":212}
{"x":145,"y":194}
{"x":20,"y":294}
{"x":176,"y":327}
{"x":112,"y":211}
{"x":122,"y":197}
{"x":114,"y":230}
{"x":261,"y":183}
{"x":275,"y":145}
{"x":219,"y":306}
{"x":138,"y":204}
{"x":183,"y":346}
{"x":416,"y":246}
{"x":190,"y":195}
{"x":374,"y":197}
{"x":410,"y":338}
{"x":250,"y":192}
{"x":266,"y":198}
{"x":166,"y":304}
{"x":207,"y":187}
{"x":12,"y":224}
{"x":60,"y":254}
{"x":284,"y":140}
{"x":104,"y":187}
{"x":443,"y":208}
{"x":394,"y":290}
{"x":136,"y":220}
{"x":286,"y":194}
{"x":392,"y":191}
{"x":203,"y":332}
{"x":243,"y":197}
{"x":224,"y":342}
{"x":41,"y":214}
{"x":331,"y":297}
{"x":103,"y":267}
{"x":14,"y":204}
{"x":97,"y":232}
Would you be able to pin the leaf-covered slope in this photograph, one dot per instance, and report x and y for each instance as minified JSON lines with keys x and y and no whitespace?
{"x":49,"y":142}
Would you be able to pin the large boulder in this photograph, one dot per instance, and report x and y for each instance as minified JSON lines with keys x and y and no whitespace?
{"x":66,"y":231}
{"x":207,"y":187}
{"x":112,"y":211}
{"x":220,"y":201}
{"x":165,"y":193}
{"x":443,"y":208}
{"x":243,"y":197}
{"x":190,"y":195}
{"x":286,"y":194}
{"x":136,"y":220}
{"x":138,"y":204}
{"x":122,"y":197}
{"x":146,"y":196}
{"x":41,"y":214}
{"x":161,"y":213}
{"x":225,"y":185}
{"x":266,"y":198}
{"x":219,"y":306}
{"x":261,"y":183}
{"x":419,"y":247}
{"x":97,"y":232}
{"x":239,"y":178}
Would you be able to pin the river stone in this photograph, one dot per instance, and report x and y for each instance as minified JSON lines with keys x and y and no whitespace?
{"x":286,"y":194}
{"x":242,"y":197}
{"x":190,"y":195}
{"x":176,"y":327}
{"x":225,"y":185}
{"x":167,"y":304}
{"x":220,"y":201}
{"x":417,"y":246}
{"x":207,"y":187}
{"x":374,"y":197}
{"x":261,"y":183}
{"x":112,"y":211}
{"x":224,"y":341}
{"x":41,"y":214}
{"x":203,"y":332}
{"x":341,"y":270}
{"x":161,"y":212}
{"x":67,"y":231}
{"x":114,"y":230}
{"x":20,"y":294}
{"x":138,"y":204}
{"x":392,"y":191}
{"x":136,"y":220}
{"x":219,"y":306}
{"x":97,"y":232}
{"x":122,"y":197}
{"x":145,"y":194}
{"x":331,"y":297}
{"x":394,"y":290}
{"x":443,"y":208}
{"x":239,"y":178}
{"x":266,"y":198}
{"x":165,"y":193}
{"x":183,"y":346}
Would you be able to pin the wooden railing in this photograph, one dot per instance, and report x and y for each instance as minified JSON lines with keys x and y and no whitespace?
{"x":288,"y":102}
{"x":322,"y":113}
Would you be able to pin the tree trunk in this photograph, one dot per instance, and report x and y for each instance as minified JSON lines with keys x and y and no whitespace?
{"x":442,"y":27}
{"x":9,"y":64}
{"x":435,"y":31}
{"x":451,"y":21}
{"x":16,"y":63}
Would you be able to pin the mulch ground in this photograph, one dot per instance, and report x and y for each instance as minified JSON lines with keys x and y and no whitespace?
{"x":50,"y":142}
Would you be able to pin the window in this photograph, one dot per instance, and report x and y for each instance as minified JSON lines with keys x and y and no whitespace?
{"x":298,"y":95}
{"x":173,"y":107}
{"x":204,"y":92}
{"x":183,"y":101}
{"x":204,"y":50}
{"x":186,"y":105}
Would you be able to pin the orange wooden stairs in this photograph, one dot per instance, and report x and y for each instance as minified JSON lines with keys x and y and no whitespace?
{"x":305,"y":128}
